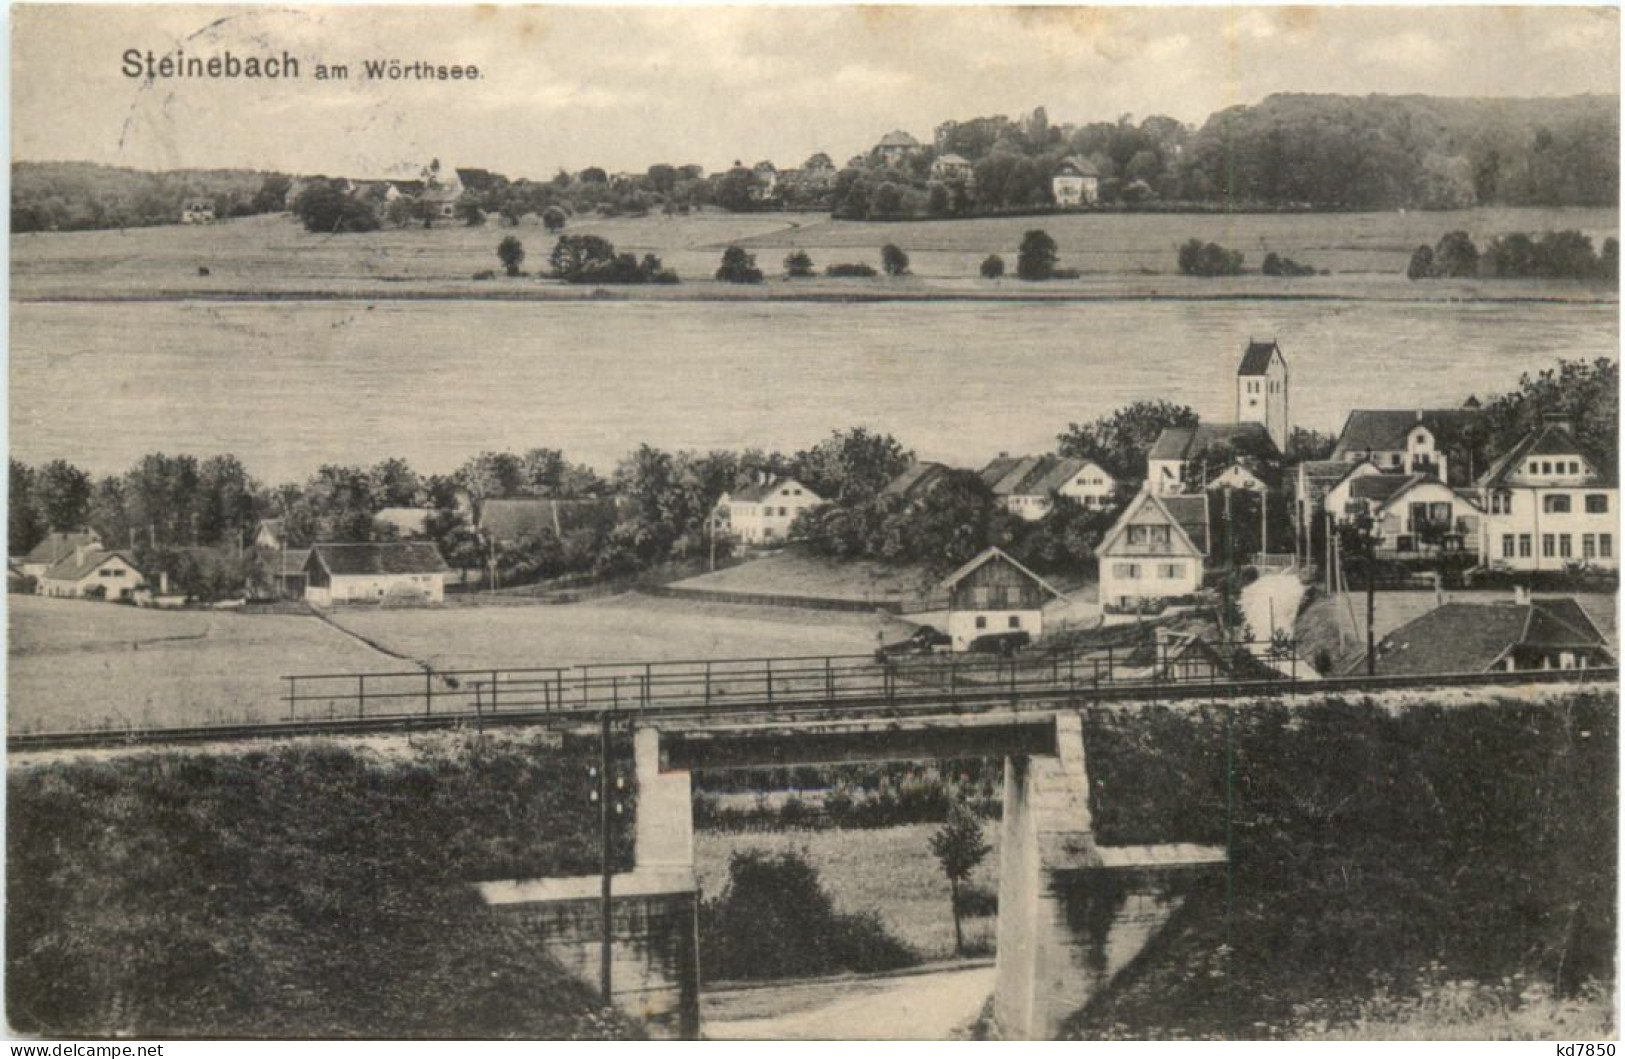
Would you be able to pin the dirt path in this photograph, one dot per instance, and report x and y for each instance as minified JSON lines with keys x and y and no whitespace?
{"x":934,"y":1005}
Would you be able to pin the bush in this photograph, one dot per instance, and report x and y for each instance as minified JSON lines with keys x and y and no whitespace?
{"x":1209,"y":259}
{"x":1036,"y":259}
{"x":798,"y":265}
{"x":1276,"y":265}
{"x":775,"y":920}
{"x":486,"y":273}
{"x":894,"y":260}
{"x":511,"y":252}
{"x":977,"y":901}
{"x":1421,"y":266}
{"x":738,"y":267}
{"x":992,"y":267}
{"x":849,"y":270}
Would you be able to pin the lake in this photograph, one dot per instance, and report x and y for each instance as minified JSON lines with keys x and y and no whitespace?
{"x":289,"y":386}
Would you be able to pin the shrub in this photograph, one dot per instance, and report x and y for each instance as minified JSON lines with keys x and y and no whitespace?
{"x":1197,"y":258}
{"x":798,"y":265}
{"x":977,"y":901}
{"x":992,"y":267}
{"x":775,"y":920}
{"x":1421,"y":266}
{"x":738,"y":267}
{"x":894,"y":260}
{"x":486,"y":273}
{"x":1276,"y":265}
{"x":511,"y":252}
{"x":1037,"y":257}
{"x":850,"y":270}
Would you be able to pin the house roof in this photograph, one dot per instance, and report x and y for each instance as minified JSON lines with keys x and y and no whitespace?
{"x":915,"y":480}
{"x":1178,"y":443}
{"x":72,"y":569}
{"x":1380,"y":430}
{"x":1256,"y":361}
{"x":397,"y":557}
{"x":760,"y":491}
{"x":1382,"y":488}
{"x":898,"y":138}
{"x":1549,"y":439}
{"x":989,"y":555}
{"x":293,"y":561}
{"x":952,"y":159}
{"x":57,"y":546}
{"x":1472,"y":637}
{"x":510,"y":518}
{"x":1188,"y":514}
{"x":476,"y":179}
{"x":1079,"y":167}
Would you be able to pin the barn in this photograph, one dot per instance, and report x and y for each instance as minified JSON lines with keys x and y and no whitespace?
{"x":396,"y":572}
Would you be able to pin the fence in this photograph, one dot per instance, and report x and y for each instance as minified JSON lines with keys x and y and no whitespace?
{"x":734,"y":685}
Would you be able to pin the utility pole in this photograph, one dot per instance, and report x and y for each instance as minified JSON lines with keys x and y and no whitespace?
{"x":1230,"y":561}
{"x":606,"y":919}
{"x":1370,"y":602}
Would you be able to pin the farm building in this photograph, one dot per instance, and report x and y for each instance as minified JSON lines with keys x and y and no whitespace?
{"x":952,"y":167}
{"x":506,"y":520}
{"x":197,"y":211}
{"x":1520,"y":634}
{"x":400,"y":571}
{"x":764,"y":513}
{"x":1407,"y":442}
{"x":916,"y":480}
{"x":994,"y":594}
{"x":290,"y":578}
{"x":89,"y":572}
{"x":1076,"y":182}
{"x":1262,"y":391}
{"x":1156,"y":549}
{"x":1547,"y":506}
{"x":1027,"y":485}
{"x":53,"y":549}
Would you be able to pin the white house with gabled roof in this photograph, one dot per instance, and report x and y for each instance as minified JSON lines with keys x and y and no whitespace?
{"x":1548,"y":506}
{"x":763,"y":513}
{"x":1156,"y":549}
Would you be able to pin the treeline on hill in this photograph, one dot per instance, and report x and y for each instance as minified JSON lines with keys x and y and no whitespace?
{"x":297,"y":892}
{"x":72,"y":196}
{"x":1555,"y":255}
{"x":1368,"y":855}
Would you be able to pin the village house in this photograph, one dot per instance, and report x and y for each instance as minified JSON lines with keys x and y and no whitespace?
{"x":1310,"y":482}
{"x":1076,"y":182}
{"x":271,"y":533}
{"x":507,"y":520}
{"x":1547,"y":506}
{"x":1410,"y":513}
{"x":396,"y":572}
{"x":765,"y":181}
{"x":53,"y":549}
{"x":290,"y":572}
{"x":92,"y":573}
{"x":897,"y":147}
{"x":1027,"y":485}
{"x":952,"y":167}
{"x":916,"y":480}
{"x":763,"y":513}
{"x":993,"y":593}
{"x":197,"y":211}
{"x":1513,"y":636}
{"x":1175,"y":447}
{"x":1408,"y":442}
{"x":1262,"y":391}
{"x":1238,"y":476}
{"x":1156,"y":549}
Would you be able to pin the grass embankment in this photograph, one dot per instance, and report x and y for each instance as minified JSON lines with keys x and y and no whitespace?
{"x":304,"y":891}
{"x":1427,"y":870}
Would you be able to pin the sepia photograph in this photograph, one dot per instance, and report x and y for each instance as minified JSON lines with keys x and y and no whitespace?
{"x":921,"y":523}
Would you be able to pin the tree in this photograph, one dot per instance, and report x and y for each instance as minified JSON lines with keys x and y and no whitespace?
{"x":553,"y":219}
{"x":24,"y":526}
{"x":324,"y":207}
{"x":738,"y":267}
{"x":61,"y":496}
{"x":573,"y":253}
{"x":1209,"y":259}
{"x":1036,"y":260}
{"x":1119,"y":442}
{"x":1421,"y":265}
{"x":992,"y":267}
{"x":272,"y":197}
{"x":851,"y":465}
{"x":894,"y":260}
{"x":511,"y":252}
{"x":1455,"y":256}
{"x":798,"y":265}
{"x":959,"y":847}
{"x":469,"y":212}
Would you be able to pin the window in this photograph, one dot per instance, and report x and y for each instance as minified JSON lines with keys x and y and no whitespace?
{"x":1171,"y":571}
{"x":1545,"y":466}
{"x":1605,"y":545}
{"x":1015,"y":621}
{"x":1137,"y":534}
{"x":1588,"y":546}
{"x":1394,"y":459}
{"x":1525,"y":545}
{"x":1506,"y":546}
{"x":784,"y":511}
{"x":983,"y":596}
{"x":981,"y":621}
{"x":1596,"y":503}
{"x":1565,"y":546}
{"x":1557,"y":504}
{"x":1501,"y":502}
{"x":1126,"y":571}
{"x":1548,"y":546}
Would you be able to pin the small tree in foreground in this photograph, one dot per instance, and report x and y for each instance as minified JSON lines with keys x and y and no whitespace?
{"x":992,"y":267}
{"x":511,"y":252}
{"x":738,"y":267}
{"x":894,"y":260}
{"x":1038,"y":255}
{"x":798,"y":265}
{"x":959,"y":848}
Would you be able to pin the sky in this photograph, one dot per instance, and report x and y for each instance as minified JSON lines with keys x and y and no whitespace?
{"x":624,"y":88}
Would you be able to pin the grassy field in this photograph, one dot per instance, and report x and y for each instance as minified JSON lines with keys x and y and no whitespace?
{"x":794,"y":572}
{"x":621,"y":629}
{"x":1118,"y":254}
{"x":80,"y":665}
{"x":74,"y":664}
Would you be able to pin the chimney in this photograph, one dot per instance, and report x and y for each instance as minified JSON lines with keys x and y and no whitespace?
{"x":80,"y":552}
{"x":1520,"y":595}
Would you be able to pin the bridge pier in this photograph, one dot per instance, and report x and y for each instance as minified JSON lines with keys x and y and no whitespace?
{"x":1072,"y":914}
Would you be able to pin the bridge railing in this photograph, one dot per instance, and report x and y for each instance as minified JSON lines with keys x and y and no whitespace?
{"x":734,"y":684}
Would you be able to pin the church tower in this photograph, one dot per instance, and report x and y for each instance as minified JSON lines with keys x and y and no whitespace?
{"x":1261,"y":391}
